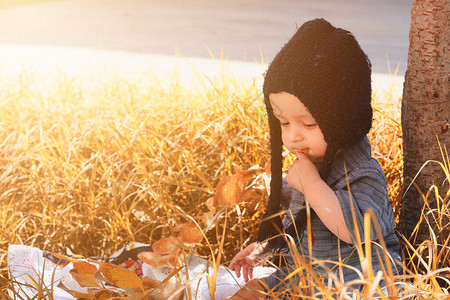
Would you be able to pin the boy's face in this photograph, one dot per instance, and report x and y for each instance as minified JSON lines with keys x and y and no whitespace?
{"x":300,"y":132}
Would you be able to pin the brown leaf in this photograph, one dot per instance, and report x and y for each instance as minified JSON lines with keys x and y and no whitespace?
{"x":156,"y":260}
{"x":169,"y":245}
{"x":229,"y":190}
{"x":252,"y":197}
{"x":248,"y":194}
{"x":210,"y":205}
{"x":182,"y":225}
{"x":150,"y":283}
{"x":190,"y":234}
{"x":78,"y":295}
{"x":85,"y":274}
{"x":169,"y":259}
{"x":156,"y":296}
{"x":104,"y":295}
{"x":208,"y":218}
{"x":121,"y":277}
{"x":224,"y":193}
{"x":244,"y":176}
{"x":152,"y":259}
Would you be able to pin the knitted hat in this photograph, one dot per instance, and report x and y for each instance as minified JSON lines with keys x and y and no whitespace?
{"x":327,"y":70}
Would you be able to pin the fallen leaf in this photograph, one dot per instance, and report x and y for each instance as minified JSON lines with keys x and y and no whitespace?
{"x":210,"y":205}
{"x":152,"y":259}
{"x":150,"y":283}
{"x":244,"y":176}
{"x":190,"y":234}
{"x":104,"y":295}
{"x":182,"y":225}
{"x":169,"y":259}
{"x":156,"y":296}
{"x":85,"y":274}
{"x":76,"y":294}
{"x":224,"y":192}
{"x":121,"y":277}
{"x":208,"y":218}
{"x":230,"y":188}
{"x":252,"y":197}
{"x":169,"y":245}
{"x":248,"y":194}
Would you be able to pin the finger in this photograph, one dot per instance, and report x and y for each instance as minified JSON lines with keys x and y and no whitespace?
{"x":235,"y":261}
{"x":301,"y":155}
{"x":250,"y":272}
{"x":237,"y":270}
{"x":232,"y":264}
{"x":245,"y":271}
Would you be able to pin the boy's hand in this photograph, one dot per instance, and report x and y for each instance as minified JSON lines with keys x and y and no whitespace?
{"x":247,"y":259}
{"x":302,"y":173}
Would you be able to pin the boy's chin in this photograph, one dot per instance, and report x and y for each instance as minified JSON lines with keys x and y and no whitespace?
{"x":317,"y":160}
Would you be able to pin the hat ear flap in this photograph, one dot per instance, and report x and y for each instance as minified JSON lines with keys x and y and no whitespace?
{"x":271,"y":225}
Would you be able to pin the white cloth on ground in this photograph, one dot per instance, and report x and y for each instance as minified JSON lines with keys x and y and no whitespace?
{"x":27,"y":264}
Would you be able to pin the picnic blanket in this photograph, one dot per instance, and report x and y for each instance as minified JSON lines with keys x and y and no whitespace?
{"x":35,"y":272}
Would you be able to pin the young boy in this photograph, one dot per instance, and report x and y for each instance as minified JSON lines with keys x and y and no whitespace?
{"x":317,"y":93}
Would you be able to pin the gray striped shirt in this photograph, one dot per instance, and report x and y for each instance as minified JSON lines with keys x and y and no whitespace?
{"x":368,"y":191}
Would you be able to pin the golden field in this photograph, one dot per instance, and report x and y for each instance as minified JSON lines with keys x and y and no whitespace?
{"x":91,"y":165}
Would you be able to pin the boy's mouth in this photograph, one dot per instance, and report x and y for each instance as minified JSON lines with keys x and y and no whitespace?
{"x":301,"y":151}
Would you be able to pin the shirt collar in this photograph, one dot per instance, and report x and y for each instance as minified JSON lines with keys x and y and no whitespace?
{"x":348,"y":159}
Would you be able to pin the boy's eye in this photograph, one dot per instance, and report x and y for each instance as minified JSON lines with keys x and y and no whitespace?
{"x":310,"y":125}
{"x":284,"y":123}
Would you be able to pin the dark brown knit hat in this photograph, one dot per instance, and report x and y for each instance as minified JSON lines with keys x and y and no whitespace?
{"x":327,"y":70}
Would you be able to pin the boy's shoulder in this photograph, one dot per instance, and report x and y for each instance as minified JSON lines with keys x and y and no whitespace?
{"x":355,"y":162}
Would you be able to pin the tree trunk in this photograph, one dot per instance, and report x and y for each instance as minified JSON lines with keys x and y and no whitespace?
{"x":425,"y":110}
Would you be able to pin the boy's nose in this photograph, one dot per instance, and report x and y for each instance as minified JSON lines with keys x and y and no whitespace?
{"x":296,"y":135}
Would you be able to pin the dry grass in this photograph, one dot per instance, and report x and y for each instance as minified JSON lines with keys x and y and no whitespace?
{"x":93,"y":166}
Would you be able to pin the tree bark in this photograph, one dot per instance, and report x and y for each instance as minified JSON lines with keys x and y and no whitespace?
{"x":425,"y":110}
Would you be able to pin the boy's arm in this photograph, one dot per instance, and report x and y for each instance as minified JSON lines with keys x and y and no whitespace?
{"x":303,"y":176}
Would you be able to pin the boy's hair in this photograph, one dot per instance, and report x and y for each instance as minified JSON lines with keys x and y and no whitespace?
{"x":327,"y":70}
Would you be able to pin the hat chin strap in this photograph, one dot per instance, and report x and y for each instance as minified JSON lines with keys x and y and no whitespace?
{"x":325,"y":166}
